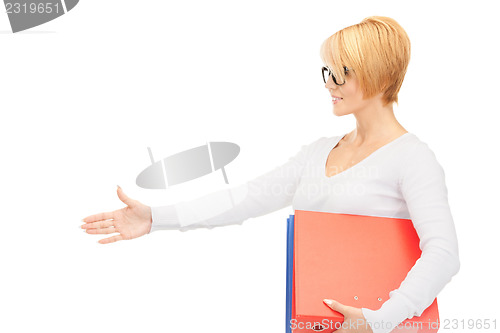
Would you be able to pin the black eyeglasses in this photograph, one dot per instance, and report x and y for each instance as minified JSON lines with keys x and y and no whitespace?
{"x":325,"y":72}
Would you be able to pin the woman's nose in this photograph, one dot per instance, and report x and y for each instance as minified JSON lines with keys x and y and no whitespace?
{"x":329,"y":83}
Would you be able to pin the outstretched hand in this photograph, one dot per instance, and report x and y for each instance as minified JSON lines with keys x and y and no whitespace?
{"x":130,"y":222}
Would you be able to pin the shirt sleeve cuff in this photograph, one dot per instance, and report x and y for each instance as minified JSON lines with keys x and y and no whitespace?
{"x":390,"y":315}
{"x":164,"y":218}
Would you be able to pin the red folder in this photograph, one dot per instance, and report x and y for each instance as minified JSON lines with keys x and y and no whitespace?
{"x":356,"y":260}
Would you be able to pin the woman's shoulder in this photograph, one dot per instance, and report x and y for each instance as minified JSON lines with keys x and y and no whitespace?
{"x":418,"y":155}
{"x":416,"y":146}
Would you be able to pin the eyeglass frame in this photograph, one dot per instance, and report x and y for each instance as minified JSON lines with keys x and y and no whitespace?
{"x":331,"y":74}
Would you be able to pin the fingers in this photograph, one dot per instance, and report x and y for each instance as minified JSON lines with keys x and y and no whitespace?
{"x":97,"y":225}
{"x":107,"y":230}
{"x":103,"y":228}
{"x":111,"y":239}
{"x":99,"y":217}
{"x":334,"y":305}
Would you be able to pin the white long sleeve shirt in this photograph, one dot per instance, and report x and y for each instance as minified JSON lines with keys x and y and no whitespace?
{"x":402,"y":179}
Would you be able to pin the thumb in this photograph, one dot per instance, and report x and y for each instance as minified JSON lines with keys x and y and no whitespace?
{"x":334,"y":305}
{"x":126,"y":200}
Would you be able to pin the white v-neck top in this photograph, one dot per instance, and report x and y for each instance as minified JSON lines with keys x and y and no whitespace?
{"x":401,"y":179}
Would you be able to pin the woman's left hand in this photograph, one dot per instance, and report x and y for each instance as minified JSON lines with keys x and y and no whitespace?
{"x":354,"y":321}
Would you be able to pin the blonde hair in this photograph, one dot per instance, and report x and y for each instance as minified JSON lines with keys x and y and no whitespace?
{"x":377,"y":50}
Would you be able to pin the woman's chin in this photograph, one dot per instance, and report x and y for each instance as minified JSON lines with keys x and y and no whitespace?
{"x":338,"y":113}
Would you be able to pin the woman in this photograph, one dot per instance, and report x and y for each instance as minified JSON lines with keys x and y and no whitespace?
{"x":377,"y":169}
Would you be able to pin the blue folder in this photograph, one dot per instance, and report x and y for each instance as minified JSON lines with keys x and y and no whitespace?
{"x":289,"y":272}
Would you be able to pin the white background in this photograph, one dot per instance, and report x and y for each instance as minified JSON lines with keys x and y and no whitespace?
{"x":83,"y":96}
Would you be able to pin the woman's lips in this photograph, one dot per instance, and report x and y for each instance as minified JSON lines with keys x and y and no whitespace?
{"x":335,"y":100}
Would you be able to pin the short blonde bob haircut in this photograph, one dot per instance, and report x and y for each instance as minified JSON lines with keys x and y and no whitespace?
{"x":377,"y":50}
